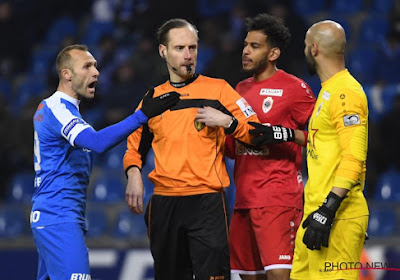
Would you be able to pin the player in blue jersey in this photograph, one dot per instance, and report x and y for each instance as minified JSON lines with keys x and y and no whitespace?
{"x":63,"y":145}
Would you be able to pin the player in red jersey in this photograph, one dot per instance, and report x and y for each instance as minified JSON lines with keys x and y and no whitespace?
{"x":269,"y":187}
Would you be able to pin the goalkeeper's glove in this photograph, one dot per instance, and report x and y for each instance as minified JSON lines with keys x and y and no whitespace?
{"x":266,"y":135}
{"x":319,"y":223}
{"x":152,"y":107}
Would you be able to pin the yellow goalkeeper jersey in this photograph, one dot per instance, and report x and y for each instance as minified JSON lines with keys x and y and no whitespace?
{"x":337,"y":146}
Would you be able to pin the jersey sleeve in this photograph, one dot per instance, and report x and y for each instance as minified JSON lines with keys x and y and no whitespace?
{"x":349,"y":113}
{"x":71,"y":121}
{"x":304,"y":104}
{"x":241,"y":110}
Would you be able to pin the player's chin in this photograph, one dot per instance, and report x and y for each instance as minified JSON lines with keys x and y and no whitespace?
{"x":90,"y":91}
{"x":247,"y":65}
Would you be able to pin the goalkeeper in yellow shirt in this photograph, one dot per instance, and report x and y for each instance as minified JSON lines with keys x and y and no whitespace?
{"x":330,"y":241}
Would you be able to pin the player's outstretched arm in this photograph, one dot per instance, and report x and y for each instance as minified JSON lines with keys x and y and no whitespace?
{"x":102,"y":140}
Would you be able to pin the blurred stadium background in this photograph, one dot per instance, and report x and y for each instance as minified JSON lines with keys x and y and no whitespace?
{"x":120,"y":34}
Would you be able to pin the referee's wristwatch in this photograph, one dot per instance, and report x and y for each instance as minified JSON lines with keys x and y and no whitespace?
{"x":231,"y":126}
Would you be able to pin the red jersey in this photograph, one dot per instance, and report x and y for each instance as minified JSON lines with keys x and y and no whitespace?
{"x":272,"y":176}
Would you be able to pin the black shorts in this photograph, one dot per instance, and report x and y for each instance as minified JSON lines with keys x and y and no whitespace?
{"x":189,"y":236}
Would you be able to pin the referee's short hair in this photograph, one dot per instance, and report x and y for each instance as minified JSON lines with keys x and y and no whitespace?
{"x":162,"y":33}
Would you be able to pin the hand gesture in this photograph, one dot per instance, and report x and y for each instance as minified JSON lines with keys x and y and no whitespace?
{"x":152,"y":107}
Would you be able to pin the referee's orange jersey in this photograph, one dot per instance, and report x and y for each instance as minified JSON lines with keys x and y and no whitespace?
{"x":189,"y":157}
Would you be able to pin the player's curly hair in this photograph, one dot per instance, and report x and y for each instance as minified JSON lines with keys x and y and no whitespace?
{"x":278,"y":34}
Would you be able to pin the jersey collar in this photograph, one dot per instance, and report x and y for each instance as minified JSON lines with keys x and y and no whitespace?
{"x":70,"y":99}
{"x":185,"y":83}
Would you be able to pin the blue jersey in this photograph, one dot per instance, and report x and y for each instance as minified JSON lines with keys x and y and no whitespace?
{"x":62,"y":170}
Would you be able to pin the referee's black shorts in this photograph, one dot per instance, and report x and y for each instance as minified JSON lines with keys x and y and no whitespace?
{"x":189,"y":236}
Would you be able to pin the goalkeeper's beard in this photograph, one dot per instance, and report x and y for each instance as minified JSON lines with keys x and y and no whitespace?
{"x":311,"y":64}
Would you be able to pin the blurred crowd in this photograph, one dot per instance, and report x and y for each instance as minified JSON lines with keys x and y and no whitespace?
{"x":121,"y":36}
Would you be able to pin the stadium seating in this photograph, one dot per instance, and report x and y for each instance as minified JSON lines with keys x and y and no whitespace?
{"x":30,"y":87}
{"x":307,"y":8}
{"x":96,"y":221}
{"x":130,"y":226}
{"x":21,"y":188}
{"x":204,"y":57}
{"x":388,"y":94}
{"x":108,"y":188}
{"x":382,"y":6}
{"x":13,"y":222}
{"x":94,"y":30}
{"x":373,"y":31}
{"x":388,"y":186}
{"x":42,"y":59}
{"x":61,"y":28}
{"x":346,"y":6}
{"x":382,"y":222}
{"x":360,"y":63}
{"x":376,"y":106}
{"x":113,"y":158}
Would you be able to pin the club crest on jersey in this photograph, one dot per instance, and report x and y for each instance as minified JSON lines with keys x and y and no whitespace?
{"x":267,"y":104}
{"x":198,"y":125}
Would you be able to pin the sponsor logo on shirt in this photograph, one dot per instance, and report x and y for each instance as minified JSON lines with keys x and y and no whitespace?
{"x":80,"y":276}
{"x":67,"y":129}
{"x":351,"y":119}
{"x":285,"y":257}
{"x":271,"y":91}
{"x":245,"y":107}
{"x":242,"y":150}
{"x":267,"y":104}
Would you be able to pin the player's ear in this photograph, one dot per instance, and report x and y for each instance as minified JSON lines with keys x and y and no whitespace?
{"x":66,"y":74}
{"x":274,"y":54}
{"x":314,"y":49}
{"x":161,"y":50}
